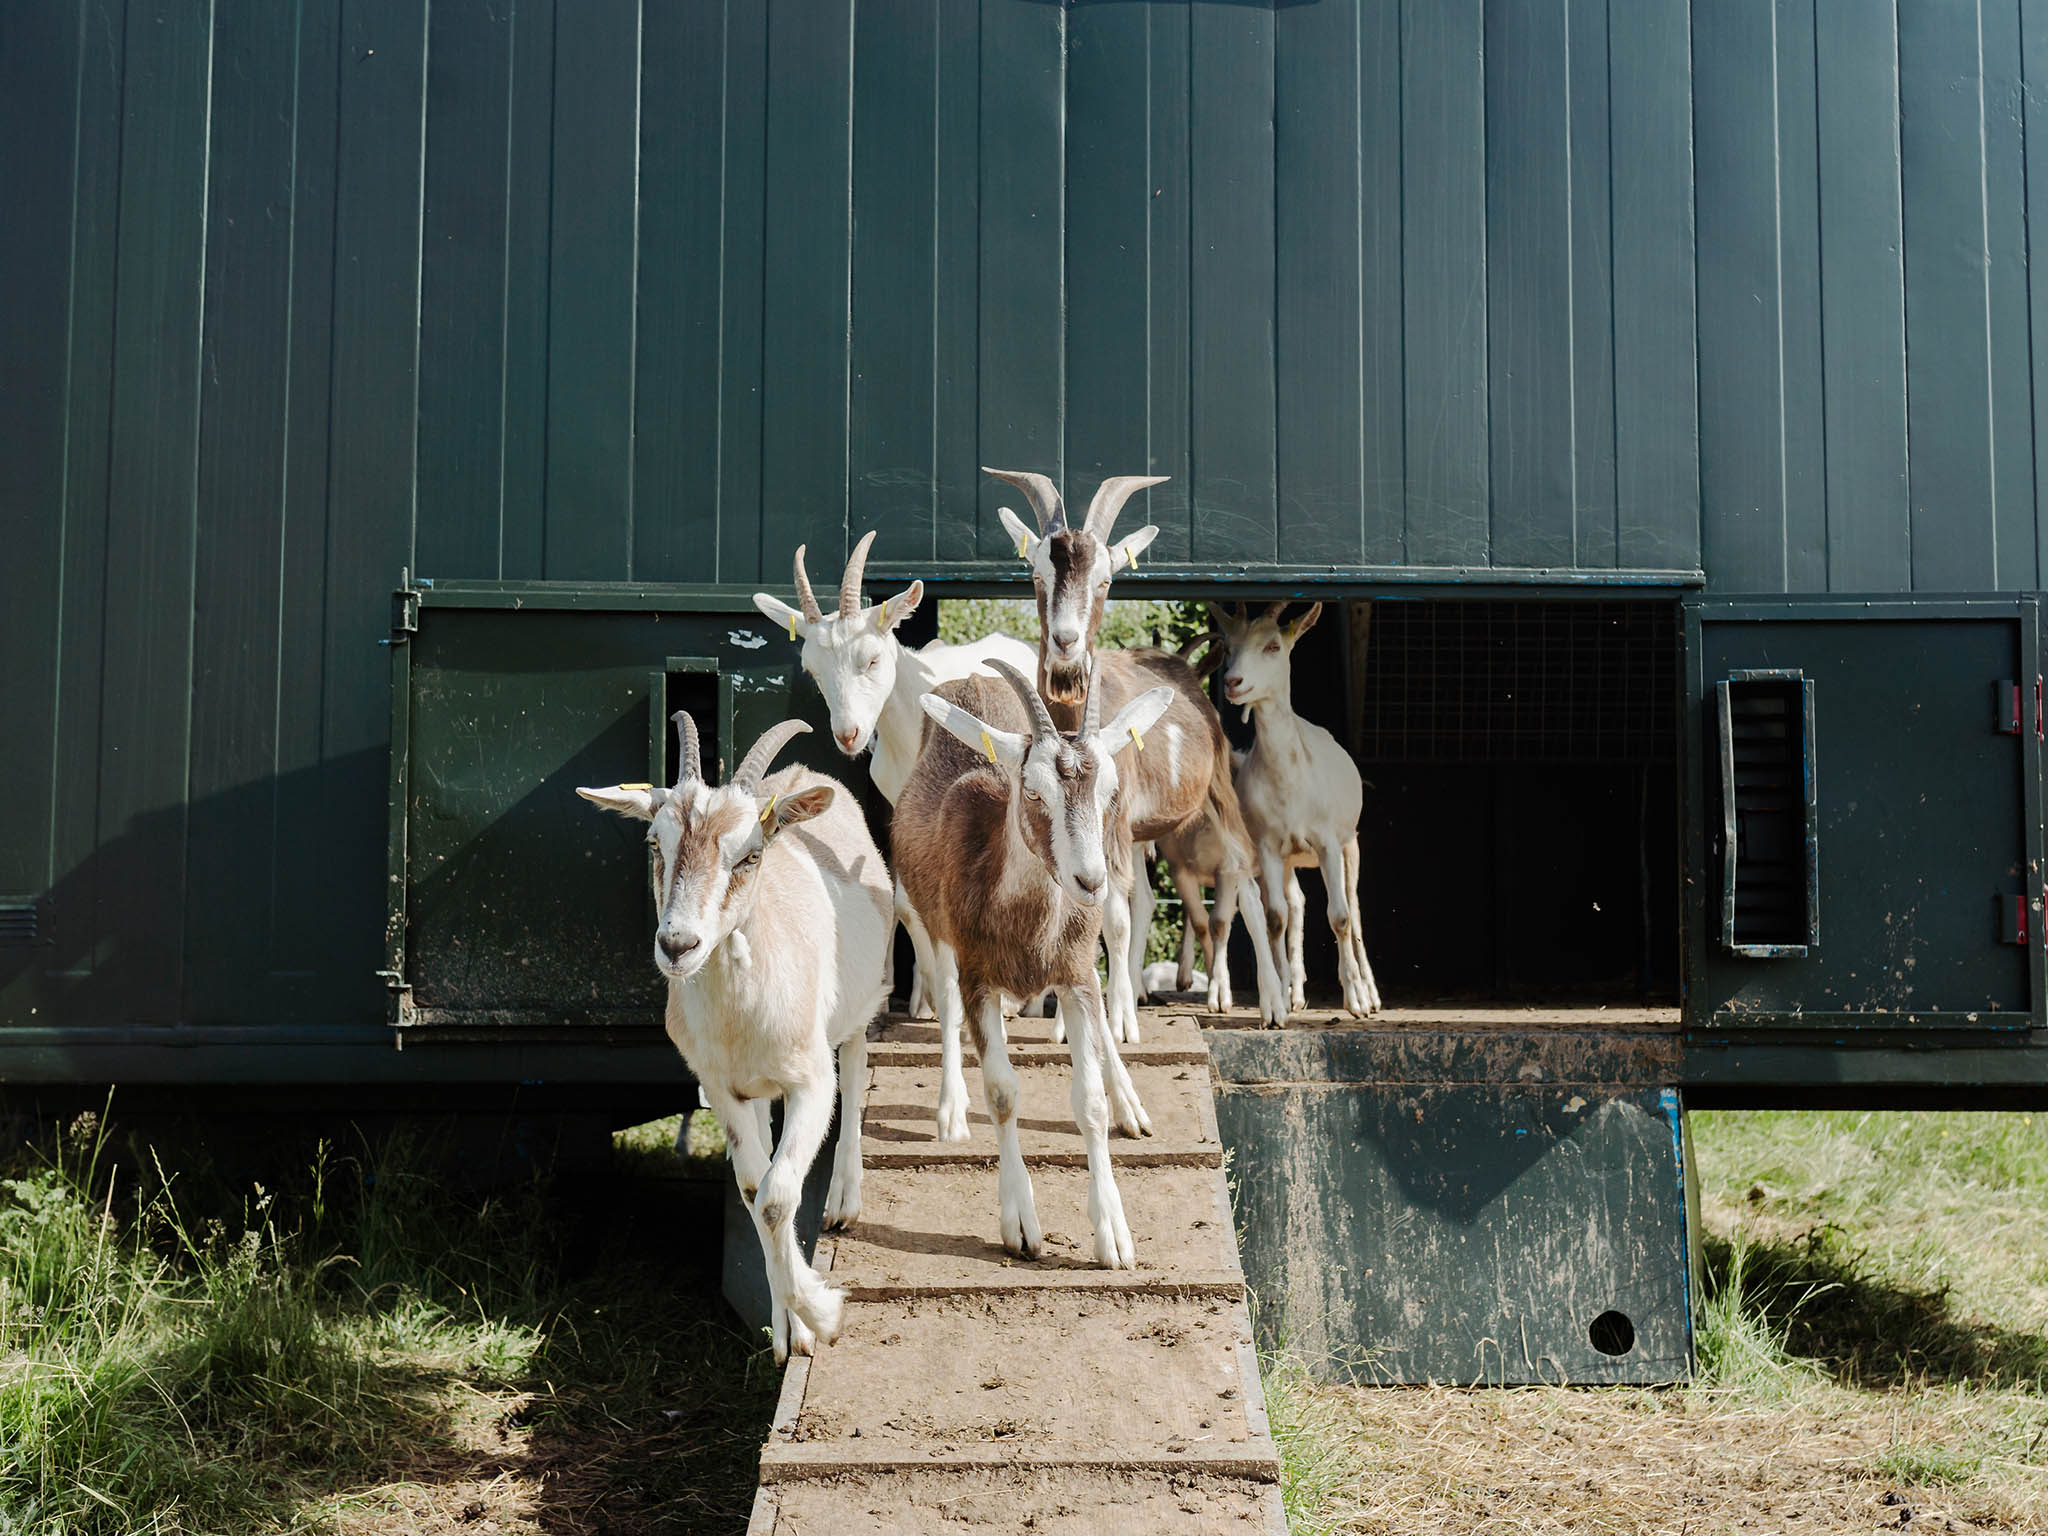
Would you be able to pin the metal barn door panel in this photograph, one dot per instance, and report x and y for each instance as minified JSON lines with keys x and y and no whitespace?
{"x":516,"y":902}
{"x":1863,"y":826}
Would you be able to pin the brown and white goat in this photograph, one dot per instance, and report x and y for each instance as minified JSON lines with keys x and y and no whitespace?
{"x":1183,"y":777}
{"x":773,"y":905}
{"x":1003,"y":838}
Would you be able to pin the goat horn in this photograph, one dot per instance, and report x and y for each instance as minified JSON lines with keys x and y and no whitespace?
{"x":763,"y":753}
{"x":1027,"y":691}
{"x":1274,"y":611}
{"x":1044,"y":496}
{"x":849,"y":584}
{"x":690,"y":765}
{"x":1091,"y":712}
{"x":806,"y":599}
{"x":1195,"y":643}
{"x":1110,"y":497}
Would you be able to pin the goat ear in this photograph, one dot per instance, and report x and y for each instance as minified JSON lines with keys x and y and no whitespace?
{"x":635,"y":800}
{"x":1304,"y":624}
{"x":892,"y":611}
{"x":1123,"y":555}
{"x":1005,"y":747}
{"x":1134,"y":719}
{"x":1025,"y":540}
{"x":782,"y":616}
{"x":788,"y":810}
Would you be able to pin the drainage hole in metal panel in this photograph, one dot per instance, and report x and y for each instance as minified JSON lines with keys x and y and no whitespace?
{"x":1612,"y":1333}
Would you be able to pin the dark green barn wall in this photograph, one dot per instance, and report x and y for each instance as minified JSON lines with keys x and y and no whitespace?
{"x":301,"y":292}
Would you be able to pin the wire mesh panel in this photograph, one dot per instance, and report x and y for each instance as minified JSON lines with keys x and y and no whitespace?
{"x":1552,"y":682}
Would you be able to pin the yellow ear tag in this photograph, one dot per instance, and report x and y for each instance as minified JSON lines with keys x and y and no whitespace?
{"x":768,"y":811}
{"x":989,"y":747}
{"x":1137,"y":738}
{"x":1020,"y":546}
{"x":885,"y":613}
{"x":1132,"y":556}
{"x":636,"y":786}
{"x":792,"y":626}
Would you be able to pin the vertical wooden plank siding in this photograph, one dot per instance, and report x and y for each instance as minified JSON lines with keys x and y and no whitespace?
{"x":894,"y":213}
{"x":678,"y":257}
{"x":243,"y":400}
{"x":39,"y":89}
{"x":462,"y":288}
{"x":956,"y":284}
{"x":806,"y":264}
{"x":1656,"y":400}
{"x":529,"y":251}
{"x":1231,"y":286}
{"x":1168,"y":315}
{"x":1107,"y":214}
{"x":1592,"y":308}
{"x":1948,"y":359}
{"x":1382,"y":350}
{"x":1444,"y":250}
{"x":741,"y":368}
{"x":1742,"y":421}
{"x":2012,"y":410}
{"x":1863,"y":303}
{"x":1799,"y":340}
{"x":1317,"y":203}
{"x":1529,"y":319}
{"x":146,"y":688}
{"x":591,"y":297}
{"x":1022,"y":275}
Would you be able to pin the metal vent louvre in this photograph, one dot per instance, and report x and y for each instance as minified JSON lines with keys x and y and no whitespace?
{"x":1558,"y":682}
{"x":17,"y":922}
{"x":1769,"y":886}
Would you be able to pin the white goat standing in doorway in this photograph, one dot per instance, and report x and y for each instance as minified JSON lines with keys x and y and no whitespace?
{"x":1008,"y":836}
{"x":771,"y":941}
{"x":1301,"y":794}
{"x":872,"y":682}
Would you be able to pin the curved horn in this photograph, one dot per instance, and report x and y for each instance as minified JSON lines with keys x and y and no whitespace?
{"x":1091,"y":712}
{"x":1045,"y":497}
{"x":763,"y":753}
{"x":1221,"y":616}
{"x":1195,"y":642}
{"x":1027,"y":691}
{"x":689,"y":765}
{"x":849,"y":584}
{"x":1274,"y":610}
{"x":804,"y":597}
{"x":1110,"y":497}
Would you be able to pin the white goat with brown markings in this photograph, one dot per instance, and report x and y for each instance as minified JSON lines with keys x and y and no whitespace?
{"x":1178,"y":783}
{"x":1004,"y":839}
{"x":773,"y":905}
{"x":872,"y":682}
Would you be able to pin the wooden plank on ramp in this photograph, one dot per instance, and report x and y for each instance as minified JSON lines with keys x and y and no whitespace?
{"x":1055,"y":1396}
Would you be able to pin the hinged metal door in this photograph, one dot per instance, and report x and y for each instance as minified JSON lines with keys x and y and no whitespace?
{"x":1864,"y":838}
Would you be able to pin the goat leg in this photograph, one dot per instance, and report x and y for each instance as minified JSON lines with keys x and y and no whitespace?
{"x":1021,"y":1232}
{"x":815,"y":1308}
{"x":1089,"y":1049}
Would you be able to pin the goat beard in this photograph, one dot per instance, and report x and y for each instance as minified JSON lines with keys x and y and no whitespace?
{"x":1066,"y":683}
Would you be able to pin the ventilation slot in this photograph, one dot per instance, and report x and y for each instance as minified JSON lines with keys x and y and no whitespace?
{"x":17,"y":922}
{"x":1769,"y":858}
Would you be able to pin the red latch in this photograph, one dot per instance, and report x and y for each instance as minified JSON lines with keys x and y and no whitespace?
{"x":2012,"y":919}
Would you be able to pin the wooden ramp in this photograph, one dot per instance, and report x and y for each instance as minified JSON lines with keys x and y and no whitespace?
{"x":971,"y":1390}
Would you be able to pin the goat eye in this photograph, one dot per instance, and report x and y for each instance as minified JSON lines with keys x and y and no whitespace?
{"x":1030,"y":794}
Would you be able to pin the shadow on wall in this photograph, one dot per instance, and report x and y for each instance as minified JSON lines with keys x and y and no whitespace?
{"x":259,"y":904}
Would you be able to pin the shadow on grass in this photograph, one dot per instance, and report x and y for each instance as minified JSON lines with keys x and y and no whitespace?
{"x":1823,"y":1297}
{"x":355,"y":1347}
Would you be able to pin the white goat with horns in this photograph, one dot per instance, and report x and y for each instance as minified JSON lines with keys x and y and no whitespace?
{"x":1301,"y":795}
{"x":771,"y":940}
{"x":1003,"y":837}
{"x":872,"y":682}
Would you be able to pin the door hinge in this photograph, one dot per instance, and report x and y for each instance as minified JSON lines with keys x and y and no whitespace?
{"x":403,"y":1013}
{"x":405,"y":605}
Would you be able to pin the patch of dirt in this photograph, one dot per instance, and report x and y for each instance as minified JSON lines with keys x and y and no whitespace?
{"x":1629,"y":1463}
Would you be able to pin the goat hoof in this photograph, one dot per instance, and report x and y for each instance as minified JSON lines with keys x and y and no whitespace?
{"x":1113,"y":1248}
{"x":801,"y":1340}
{"x":952,"y":1116}
{"x":822,"y":1317}
{"x":1129,"y":1114}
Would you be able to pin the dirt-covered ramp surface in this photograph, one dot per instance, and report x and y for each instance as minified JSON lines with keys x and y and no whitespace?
{"x":971,"y":1390}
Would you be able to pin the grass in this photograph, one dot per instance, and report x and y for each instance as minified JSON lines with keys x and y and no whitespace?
{"x":363,"y":1351}
{"x":1873,"y":1353}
